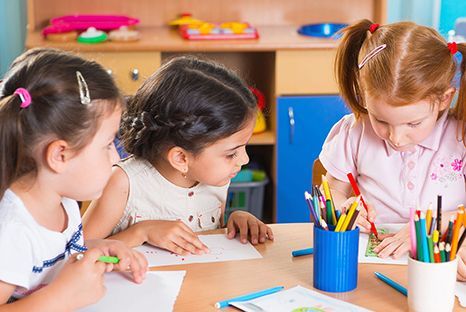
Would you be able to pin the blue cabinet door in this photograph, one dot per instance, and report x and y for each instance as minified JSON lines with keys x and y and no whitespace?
{"x":302,"y":126}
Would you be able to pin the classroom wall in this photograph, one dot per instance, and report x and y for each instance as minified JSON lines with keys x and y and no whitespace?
{"x":13,"y":22}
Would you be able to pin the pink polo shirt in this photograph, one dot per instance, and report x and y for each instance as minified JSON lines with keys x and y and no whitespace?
{"x":394,"y":181}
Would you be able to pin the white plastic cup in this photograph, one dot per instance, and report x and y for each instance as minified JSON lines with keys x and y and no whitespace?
{"x":431,"y":286}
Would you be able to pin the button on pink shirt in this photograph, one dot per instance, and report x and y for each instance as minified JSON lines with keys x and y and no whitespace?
{"x":394,"y":181}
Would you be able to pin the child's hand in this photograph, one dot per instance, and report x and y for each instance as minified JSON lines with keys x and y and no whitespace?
{"x":394,"y":245}
{"x":363,"y":217}
{"x":461,"y":276}
{"x":174,"y":236}
{"x":80,"y":282}
{"x":130,"y":260}
{"x":245,"y":222}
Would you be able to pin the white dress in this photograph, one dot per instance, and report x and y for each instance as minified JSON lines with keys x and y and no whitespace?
{"x":32,"y":255}
{"x":152,"y":197}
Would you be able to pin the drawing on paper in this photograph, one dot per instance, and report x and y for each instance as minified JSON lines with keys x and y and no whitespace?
{"x":374,"y":242}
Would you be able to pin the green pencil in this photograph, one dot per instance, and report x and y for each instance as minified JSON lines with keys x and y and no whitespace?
{"x":418,"y":238}
{"x":109,"y":259}
{"x":430,"y":245}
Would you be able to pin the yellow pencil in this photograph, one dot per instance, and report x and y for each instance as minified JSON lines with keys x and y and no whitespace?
{"x":328,"y":195}
{"x":456,"y":233}
{"x":428,"y":218}
{"x":435,"y":237}
{"x":340,"y":222}
{"x":350,"y":213}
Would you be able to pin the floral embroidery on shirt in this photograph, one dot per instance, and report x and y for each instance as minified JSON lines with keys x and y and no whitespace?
{"x":457,"y":164}
{"x":446,"y":169}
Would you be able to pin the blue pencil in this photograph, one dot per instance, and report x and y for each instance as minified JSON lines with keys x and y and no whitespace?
{"x":257,"y":294}
{"x":392,"y":283}
{"x":302,"y":252}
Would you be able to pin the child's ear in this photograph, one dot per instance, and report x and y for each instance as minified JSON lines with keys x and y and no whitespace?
{"x":57,"y":154}
{"x":447,"y":97}
{"x":178,"y":158}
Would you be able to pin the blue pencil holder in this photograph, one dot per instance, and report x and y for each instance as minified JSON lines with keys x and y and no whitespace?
{"x":335,"y":260}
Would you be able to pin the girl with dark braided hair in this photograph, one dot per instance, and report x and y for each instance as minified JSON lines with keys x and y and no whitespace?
{"x":187,"y":128}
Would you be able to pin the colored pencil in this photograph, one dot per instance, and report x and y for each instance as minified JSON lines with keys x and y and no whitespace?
{"x":356,"y":191}
{"x":435,"y":237}
{"x":340,"y":222}
{"x":328,"y":209}
{"x":432,"y":227}
{"x":447,"y":252}
{"x":439,"y":213}
{"x":350,"y":213}
{"x":312,"y":210}
{"x":302,"y":252}
{"x":456,"y":233}
{"x":428,"y":218}
{"x":324,"y":224}
{"x":315,"y":201}
{"x":437,"y":254}
{"x":418,"y":238}
{"x":352,"y":224}
{"x":392,"y":283}
{"x":442,"y":251}
{"x":425,"y":247}
{"x":328,"y":196}
{"x":257,"y":294}
{"x":412,"y":233}
{"x":449,"y":231}
{"x":430,"y":246}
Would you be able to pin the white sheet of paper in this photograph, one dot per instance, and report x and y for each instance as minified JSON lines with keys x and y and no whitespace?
{"x":364,"y":239}
{"x":158,"y":291}
{"x":461,"y":293}
{"x":221,"y":249}
{"x":295,"y":298}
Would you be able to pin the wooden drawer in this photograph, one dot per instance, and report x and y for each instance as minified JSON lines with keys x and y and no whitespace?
{"x":305,"y":72}
{"x":122,"y":65}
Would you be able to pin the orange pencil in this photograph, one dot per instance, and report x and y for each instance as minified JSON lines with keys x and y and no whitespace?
{"x":464,"y":219}
{"x":436,"y":254}
{"x":456,"y":233}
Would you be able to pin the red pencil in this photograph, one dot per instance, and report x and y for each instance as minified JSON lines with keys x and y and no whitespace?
{"x":357,"y":193}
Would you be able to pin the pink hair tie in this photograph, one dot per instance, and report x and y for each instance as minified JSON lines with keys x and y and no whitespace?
{"x":453,"y":47}
{"x":373,"y":27}
{"x":24,"y":96}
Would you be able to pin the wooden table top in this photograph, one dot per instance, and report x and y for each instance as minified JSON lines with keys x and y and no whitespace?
{"x":207,"y":283}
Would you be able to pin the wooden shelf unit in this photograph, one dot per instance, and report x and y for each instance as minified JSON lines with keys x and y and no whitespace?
{"x":281,"y":62}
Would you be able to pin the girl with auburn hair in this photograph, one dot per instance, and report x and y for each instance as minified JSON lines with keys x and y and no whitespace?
{"x":404,"y":142}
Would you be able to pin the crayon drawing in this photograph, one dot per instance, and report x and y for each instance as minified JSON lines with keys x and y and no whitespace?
{"x":367,"y":243}
{"x":374,"y":242}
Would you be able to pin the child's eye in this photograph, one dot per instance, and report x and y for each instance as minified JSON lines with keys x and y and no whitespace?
{"x":381,"y":122}
{"x":234,"y":155}
{"x":414,"y":125}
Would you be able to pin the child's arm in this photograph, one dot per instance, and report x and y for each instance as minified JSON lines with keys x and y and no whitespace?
{"x":245,"y":223}
{"x":78,"y":284}
{"x":343,"y":197}
{"x":104,"y":213}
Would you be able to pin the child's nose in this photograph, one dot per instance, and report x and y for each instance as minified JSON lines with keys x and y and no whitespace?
{"x":244,"y":158}
{"x":395,"y":136}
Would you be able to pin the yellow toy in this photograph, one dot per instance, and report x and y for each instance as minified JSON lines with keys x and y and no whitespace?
{"x":261,"y":124}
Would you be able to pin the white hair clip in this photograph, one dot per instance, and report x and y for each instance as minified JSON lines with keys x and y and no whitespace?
{"x":83,"y":89}
{"x":371,"y":55}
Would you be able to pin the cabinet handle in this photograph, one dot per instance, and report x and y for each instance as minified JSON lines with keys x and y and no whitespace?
{"x":135,"y":74}
{"x":291,"y":122}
